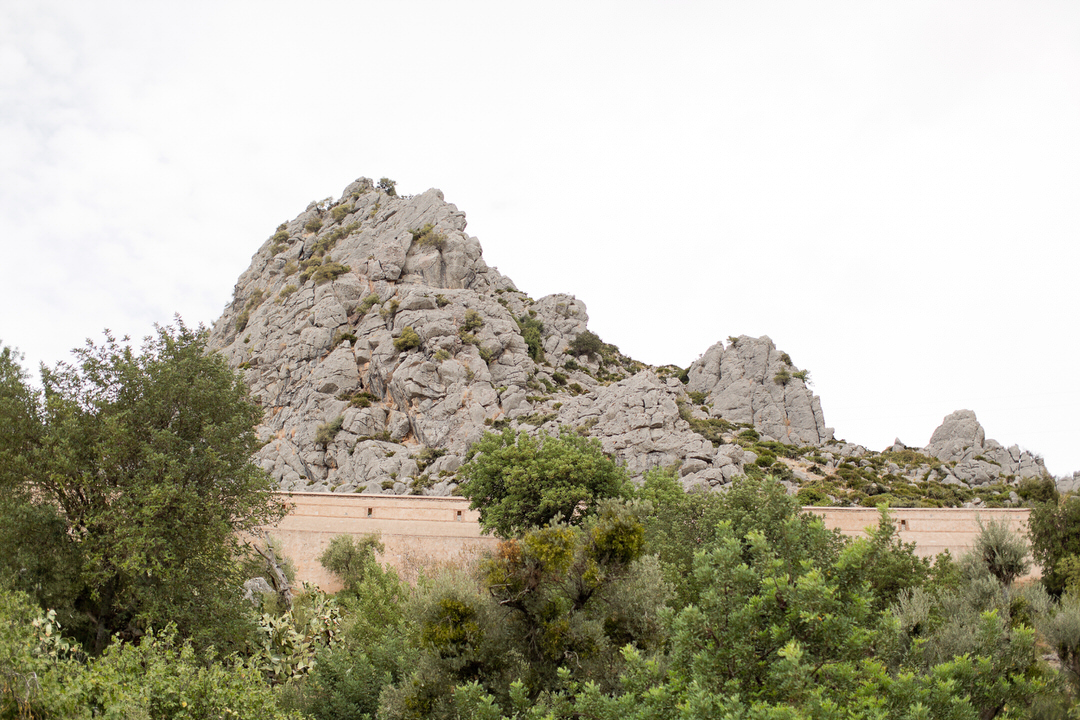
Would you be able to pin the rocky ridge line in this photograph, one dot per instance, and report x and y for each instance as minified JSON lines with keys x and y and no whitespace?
{"x":381,"y":345}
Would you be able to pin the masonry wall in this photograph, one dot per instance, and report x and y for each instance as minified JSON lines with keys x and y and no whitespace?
{"x":421,"y":532}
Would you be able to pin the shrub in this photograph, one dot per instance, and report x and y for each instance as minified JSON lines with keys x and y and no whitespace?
{"x":313,"y":225}
{"x":586,"y":343}
{"x":442,"y":354}
{"x":286,"y":292}
{"x":559,"y":377}
{"x":803,"y":375}
{"x":341,"y":336}
{"x":783,"y":377}
{"x":290,"y":268}
{"x":369,"y":302}
{"x":427,"y":237}
{"x":473,"y":321}
{"x":322,"y":272}
{"x":325,"y":433}
{"x":388,"y":186}
{"x":339,"y":212}
{"x":532,"y":332}
{"x":697,"y":397}
{"x":389,"y":309}
{"x":408,"y":339}
{"x":785,"y":358}
{"x":441,"y":301}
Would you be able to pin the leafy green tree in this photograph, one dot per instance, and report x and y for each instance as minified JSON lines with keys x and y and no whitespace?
{"x":139,"y":463}
{"x":520,"y":482}
{"x":1054,"y":528}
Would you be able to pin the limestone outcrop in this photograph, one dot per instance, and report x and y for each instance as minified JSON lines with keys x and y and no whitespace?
{"x":752,"y":382}
{"x":961,"y":442}
{"x":381,"y":346}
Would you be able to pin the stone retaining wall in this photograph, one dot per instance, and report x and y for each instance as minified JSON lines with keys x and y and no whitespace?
{"x":421,"y":532}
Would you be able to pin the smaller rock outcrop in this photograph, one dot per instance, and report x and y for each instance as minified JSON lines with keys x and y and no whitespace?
{"x":961,"y":442}
{"x":752,"y":382}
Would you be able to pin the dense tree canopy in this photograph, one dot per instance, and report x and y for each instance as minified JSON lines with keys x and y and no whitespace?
{"x":132,"y":473}
{"x":520,"y":482}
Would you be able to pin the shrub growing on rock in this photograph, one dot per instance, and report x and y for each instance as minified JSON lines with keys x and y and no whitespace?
{"x":408,"y":339}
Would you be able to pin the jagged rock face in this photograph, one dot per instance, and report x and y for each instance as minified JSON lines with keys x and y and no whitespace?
{"x":1069,"y":483}
{"x":751,"y":382}
{"x":961,"y":441}
{"x":381,"y":346}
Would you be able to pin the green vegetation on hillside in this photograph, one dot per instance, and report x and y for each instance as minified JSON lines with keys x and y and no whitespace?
{"x":127,"y":480}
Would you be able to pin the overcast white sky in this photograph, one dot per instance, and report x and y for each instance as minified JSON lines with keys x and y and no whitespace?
{"x":890,"y":191}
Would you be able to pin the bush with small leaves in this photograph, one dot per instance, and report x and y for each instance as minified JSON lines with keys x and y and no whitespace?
{"x":427,"y":237}
{"x":408,"y":340}
{"x":369,"y":302}
{"x":313,"y":225}
{"x":442,"y":354}
{"x":473,"y":321}
{"x":441,"y":301}
{"x":585,"y":343}
{"x":290,"y":268}
{"x":325,"y":433}
{"x":340,"y":211}
{"x":783,"y":377}
{"x":286,"y":292}
{"x":341,"y":336}
{"x":532,"y":332}
{"x":389,"y":309}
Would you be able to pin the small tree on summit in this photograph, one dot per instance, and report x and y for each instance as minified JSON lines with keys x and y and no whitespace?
{"x":388,"y":186}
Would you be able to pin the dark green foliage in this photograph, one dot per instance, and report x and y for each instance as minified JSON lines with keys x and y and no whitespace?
{"x":532,"y":330}
{"x":890,"y":566}
{"x":519,"y":482}
{"x":571,"y":592}
{"x":115,"y":467}
{"x":325,"y":433}
{"x":585,"y":343}
{"x":1055,"y":538}
{"x":388,"y":186}
{"x":783,"y":377}
{"x":313,"y":225}
{"x":1038,"y":490}
{"x":441,"y":300}
{"x":408,"y":340}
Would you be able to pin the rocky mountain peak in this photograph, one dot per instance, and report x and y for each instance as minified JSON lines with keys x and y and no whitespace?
{"x":381,"y":346}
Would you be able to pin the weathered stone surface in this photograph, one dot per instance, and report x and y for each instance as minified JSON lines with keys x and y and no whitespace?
{"x":320,"y":323}
{"x":751,"y":382}
{"x":960,"y":439}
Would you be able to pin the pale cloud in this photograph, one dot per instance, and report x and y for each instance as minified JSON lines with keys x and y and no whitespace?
{"x":887,"y":191}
